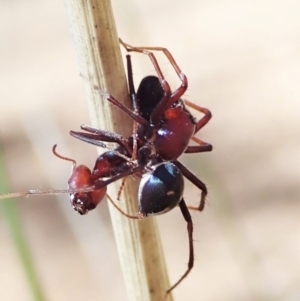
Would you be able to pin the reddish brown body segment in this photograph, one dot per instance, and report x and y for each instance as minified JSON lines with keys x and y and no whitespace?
{"x":174,"y":135}
{"x":84,"y":201}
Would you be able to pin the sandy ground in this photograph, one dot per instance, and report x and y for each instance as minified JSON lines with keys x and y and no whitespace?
{"x":242,"y":61}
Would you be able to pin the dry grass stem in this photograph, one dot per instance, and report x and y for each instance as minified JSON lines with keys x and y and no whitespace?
{"x":99,"y":58}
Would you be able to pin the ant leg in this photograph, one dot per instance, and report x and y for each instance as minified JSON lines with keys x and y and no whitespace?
{"x":90,"y":138}
{"x":42,"y":192}
{"x":134,"y":102}
{"x":202,"y":147}
{"x":100,"y":184}
{"x":127,"y":111}
{"x":121,"y":189}
{"x":205,"y":119}
{"x":147,"y":50}
{"x":119,"y":209}
{"x":96,"y":135}
{"x":184,"y":83}
{"x":104,"y":133}
{"x":169,"y":98}
{"x":131,"y":88}
{"x":144,"y":50}
{"x":186,"y":214}
{"x":140,"y":120}
{"x":196,"y":181}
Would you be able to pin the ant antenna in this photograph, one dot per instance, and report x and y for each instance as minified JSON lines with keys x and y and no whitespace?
{"x":62,"y":157}
{"x":48,"y":192}
{"x":44,"y":192}
{"x":120,"y":210}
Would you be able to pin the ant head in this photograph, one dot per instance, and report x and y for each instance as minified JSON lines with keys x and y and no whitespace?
{"x":82,"y":202}
{"x":165,"y":185}
{"x":82,"y":178}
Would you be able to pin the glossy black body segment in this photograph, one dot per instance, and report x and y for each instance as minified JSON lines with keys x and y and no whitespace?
{"x":160,"y":190}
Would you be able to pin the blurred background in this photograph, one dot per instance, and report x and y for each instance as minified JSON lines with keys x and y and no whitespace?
{"x":242,"y":62}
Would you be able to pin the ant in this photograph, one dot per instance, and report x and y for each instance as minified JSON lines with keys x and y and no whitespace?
{"x":165,"y":128}
{"x":81,"y":184}
{"x":163,"y":183}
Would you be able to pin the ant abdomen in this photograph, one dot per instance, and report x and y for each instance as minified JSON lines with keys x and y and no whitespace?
{"x":160,"y":190}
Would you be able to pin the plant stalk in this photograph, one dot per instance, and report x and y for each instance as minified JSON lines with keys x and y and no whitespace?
{"x":98,"y":53}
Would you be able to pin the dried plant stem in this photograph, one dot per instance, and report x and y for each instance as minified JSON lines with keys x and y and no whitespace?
{"x":99,"y":58}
